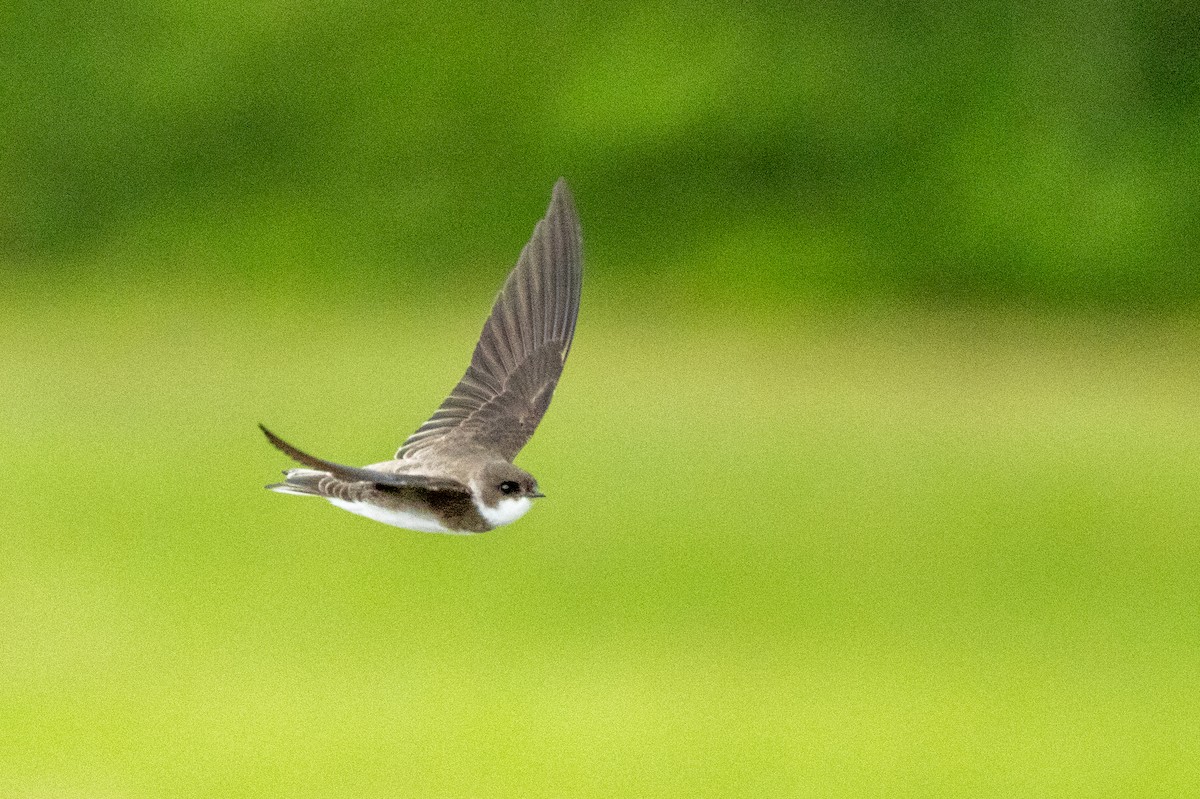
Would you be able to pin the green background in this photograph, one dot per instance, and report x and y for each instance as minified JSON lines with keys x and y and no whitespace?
{"x":873,"y":471}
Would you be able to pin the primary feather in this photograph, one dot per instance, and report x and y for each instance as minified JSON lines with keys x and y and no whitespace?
{"x":520,"y":355}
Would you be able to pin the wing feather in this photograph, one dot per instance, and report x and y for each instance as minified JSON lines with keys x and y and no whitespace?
{"x":354,"y":474}
{"x":520,"y":355}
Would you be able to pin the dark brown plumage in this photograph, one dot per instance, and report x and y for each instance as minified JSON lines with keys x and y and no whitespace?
{"x":520,"y":355}
{"x":455,"y":473}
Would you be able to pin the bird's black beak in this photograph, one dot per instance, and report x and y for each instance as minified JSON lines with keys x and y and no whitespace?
{"x":537,"y":495}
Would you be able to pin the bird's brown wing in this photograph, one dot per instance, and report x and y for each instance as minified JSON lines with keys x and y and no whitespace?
{"x":520,"y":355}
{"x":354,"y":474}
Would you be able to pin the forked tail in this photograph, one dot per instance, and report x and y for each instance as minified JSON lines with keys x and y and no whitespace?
{"x":301,"y":482}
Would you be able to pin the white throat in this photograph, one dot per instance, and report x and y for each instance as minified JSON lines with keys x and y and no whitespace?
{"x":507,"y":510}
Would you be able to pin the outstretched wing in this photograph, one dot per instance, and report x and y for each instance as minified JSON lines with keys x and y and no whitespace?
{"x":354,"y":474}
{"x":520,"y":355}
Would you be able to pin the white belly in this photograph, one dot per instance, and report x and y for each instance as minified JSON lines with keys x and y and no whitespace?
{"x":506,"y":511}
{"x":420,"y":522}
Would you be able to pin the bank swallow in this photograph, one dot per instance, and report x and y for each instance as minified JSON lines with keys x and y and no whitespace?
{"x":455,"y":474}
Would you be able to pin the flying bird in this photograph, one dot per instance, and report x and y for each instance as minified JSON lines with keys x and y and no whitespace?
{"x":455,"y":474}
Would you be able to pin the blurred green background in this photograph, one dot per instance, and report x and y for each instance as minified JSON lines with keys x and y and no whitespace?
{"x":873,"y":471}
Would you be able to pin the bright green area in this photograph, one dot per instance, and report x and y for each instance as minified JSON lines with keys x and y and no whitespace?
{"x":815,"y":555}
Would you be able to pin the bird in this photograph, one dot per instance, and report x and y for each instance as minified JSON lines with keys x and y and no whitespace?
{"x":455,"y":473}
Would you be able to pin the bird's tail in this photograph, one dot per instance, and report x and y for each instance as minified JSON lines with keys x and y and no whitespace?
{"x":301,"y":482}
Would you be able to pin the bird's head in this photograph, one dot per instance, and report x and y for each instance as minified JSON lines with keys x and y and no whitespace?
{"x":504,"y":493}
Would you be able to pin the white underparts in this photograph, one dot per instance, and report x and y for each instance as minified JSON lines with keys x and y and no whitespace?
{"x":420,"y":522}
{"x":506,"y":511}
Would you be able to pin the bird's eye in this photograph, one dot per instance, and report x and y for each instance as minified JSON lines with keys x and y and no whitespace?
{"x":509,"y":487}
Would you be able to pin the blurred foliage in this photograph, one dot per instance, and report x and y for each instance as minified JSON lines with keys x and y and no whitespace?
{"x":1024,"y":153}
{"x":789,"y":549}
